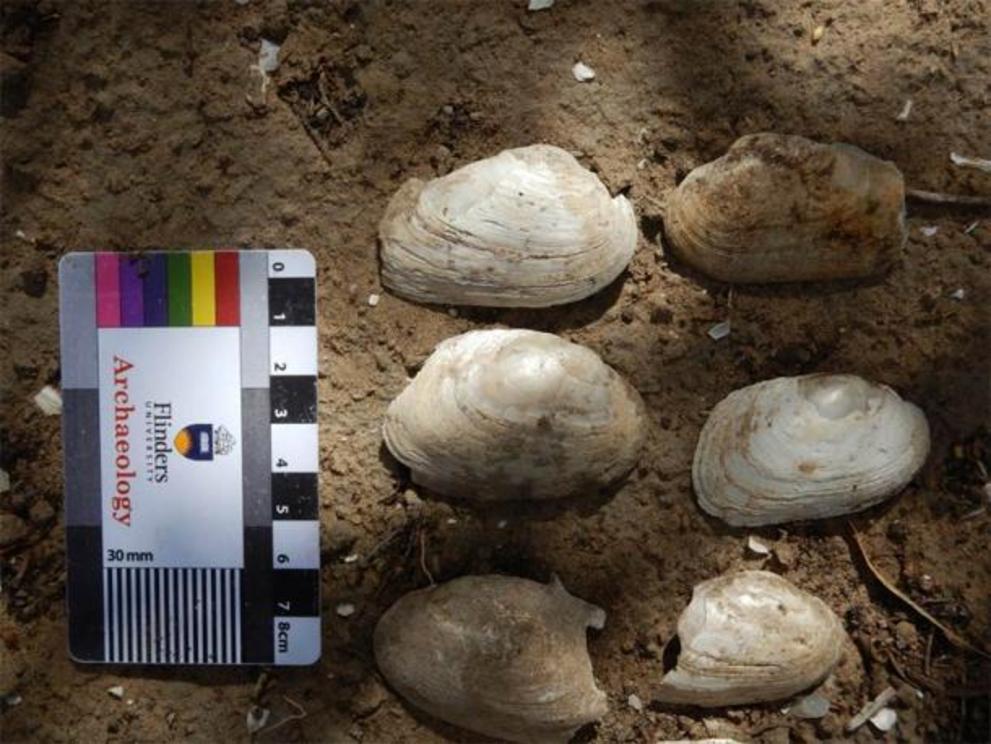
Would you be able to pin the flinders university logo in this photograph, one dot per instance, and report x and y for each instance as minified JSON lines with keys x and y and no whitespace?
{"x":203,"y":441}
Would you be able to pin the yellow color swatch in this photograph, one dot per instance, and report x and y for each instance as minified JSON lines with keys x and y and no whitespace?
{"x":204,"y":300}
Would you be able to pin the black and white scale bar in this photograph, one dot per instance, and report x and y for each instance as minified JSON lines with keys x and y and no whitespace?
{"x":172,"y":615}
{"x":290,"y":542}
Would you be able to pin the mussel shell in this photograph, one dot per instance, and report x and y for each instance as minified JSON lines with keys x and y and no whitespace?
{"x":797,"y":448}
{"x":751,"y":637}
{"x":515,"y":414}
{"x":498,"y":655}
{"x":779,"y":208}
{"x":529,"y":227}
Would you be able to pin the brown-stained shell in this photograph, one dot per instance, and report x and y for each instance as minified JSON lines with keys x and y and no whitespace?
{"x":781,"y":208}
{"x":498,"y":655}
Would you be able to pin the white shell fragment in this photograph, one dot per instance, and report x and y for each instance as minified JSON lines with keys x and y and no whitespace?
{"x":49,"y":400}
{"x":905,"y":112}
{"x":582,"y":72}
{"x":498,"y":655}
{"x":539,"y":5}
{"x":528,"y":227}
{"x":884,"y":720}
{"x":779,"y":208}
{"x":515,"y":414}
{"x":751,"y":637}
{"x":798,"y":448}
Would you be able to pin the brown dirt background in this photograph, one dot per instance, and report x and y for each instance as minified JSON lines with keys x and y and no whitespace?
{"x":132,"y":125}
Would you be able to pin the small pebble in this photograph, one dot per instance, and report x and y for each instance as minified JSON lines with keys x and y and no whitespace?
{"x":345,"y":609}
{"x":719,"y":331}
{"x":929,"y":230}
{"x":810,"y":706}
{"x":817,"y":34}
{"x":117,"y":691}
{"x":373,"y":300}
{"x":351,"y":558}
{"x":635,"y":702}
{"x":958,"y":294}
{"x":268,"y":56}
{"x":582,"y":72}
{"x":49,"y":400}
{"x":41,"y":512}
{"x":539,"y":4}
{"x":452,"y":311}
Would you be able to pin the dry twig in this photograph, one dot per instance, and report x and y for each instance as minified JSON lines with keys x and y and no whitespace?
{"x":936,"y":197}
{"x":947,"y":632}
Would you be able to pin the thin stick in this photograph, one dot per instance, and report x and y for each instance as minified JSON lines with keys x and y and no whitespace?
{"x":937,"y":197}
{"x":948,"y":633}
{"x":423,"y":557}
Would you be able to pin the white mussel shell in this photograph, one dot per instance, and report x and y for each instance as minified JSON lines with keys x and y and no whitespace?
{"x":499,"y":655}
{"x":779,"y":208}
{"x":797,"y":448}
{"x":529,"y":227}
{"x":751,"y":637}
{"x":515,"y":414}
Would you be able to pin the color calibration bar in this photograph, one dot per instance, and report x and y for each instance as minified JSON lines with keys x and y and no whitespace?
{"x":167,"y":289}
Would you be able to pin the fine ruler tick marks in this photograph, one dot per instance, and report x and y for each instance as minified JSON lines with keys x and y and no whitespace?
{"x":191,"y":456}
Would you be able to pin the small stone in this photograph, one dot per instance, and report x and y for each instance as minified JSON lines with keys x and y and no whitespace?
{"x":117,"y":691}
{"x":582,"y":72}
{"x":539,"y":4}
{"x":351,"y":558}
{"x":635,"y":702}
{"x":373,"y":300}
{"x":817,"y":34}
{"x":368,"y":698}
{"x":958,"y":294}
{"x":810,"y":706}
{"x":412,"y":499}
{"x":268,"y":56}
{"x":345,"y":609}
{"x":906,"y":633}
{"x":929,"y":230}
{"x":452,"y":311}
{"x":49,"y":400}
{"x":720,"y":330}
{"x":41,"y":512}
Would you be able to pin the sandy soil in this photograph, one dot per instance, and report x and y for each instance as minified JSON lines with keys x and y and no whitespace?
{"x":139,"y":125}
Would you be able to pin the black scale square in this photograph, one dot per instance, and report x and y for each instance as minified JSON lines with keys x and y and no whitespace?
{"x":291,"y":302}
{"x":296,"y":593}
{"x":294,"y":496}
{"x":293,"y":399}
